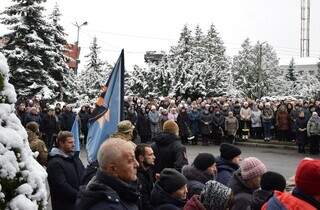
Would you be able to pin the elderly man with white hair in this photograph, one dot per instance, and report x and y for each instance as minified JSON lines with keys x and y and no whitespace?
{"x":111,"y":187}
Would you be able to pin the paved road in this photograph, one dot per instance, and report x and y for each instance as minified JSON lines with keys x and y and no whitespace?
{"x":279,"y":160}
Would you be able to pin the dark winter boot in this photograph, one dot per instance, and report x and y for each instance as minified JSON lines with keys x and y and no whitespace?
{"x":195,"y":140}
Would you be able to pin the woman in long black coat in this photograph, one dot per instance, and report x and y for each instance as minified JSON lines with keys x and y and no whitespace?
{"x":301,"y":131}
{"x":205,"y":126}
{"x":183,"y":123}
{"x":143,"y":126}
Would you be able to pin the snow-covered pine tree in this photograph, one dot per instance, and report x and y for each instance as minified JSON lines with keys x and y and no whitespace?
{"x":180,"y":56}
{"x":291,"y":74}
{"x":22,"y":178}
{"x":270,"y":71}
{"x":163,"y":78}
{"x":245,"y":70}
{"x":217,"y":69}
{"x":307,"y":86}
{"x":137,"y":83}
{"x":94,"y":76}
{"x":128,"y":83}
{"x":195,"y":86}
{"x":67,"y":87}
{"x":28,"y":49}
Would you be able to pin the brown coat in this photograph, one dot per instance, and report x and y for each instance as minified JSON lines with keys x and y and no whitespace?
{"x":38,"y":145}
{"x":282,"y":120}
{"x":231,"y":125}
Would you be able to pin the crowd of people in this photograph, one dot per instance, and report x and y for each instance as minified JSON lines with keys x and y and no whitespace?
{"x":213,"y":120}
{"x":158,"y":175}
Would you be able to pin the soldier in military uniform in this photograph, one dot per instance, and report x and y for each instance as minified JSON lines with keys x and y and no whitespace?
{"x":35,"y":143}
{"x":124,"y":131}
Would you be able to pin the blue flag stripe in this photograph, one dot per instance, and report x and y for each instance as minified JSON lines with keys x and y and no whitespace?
{"x":75,"y":132}
{"x":109,"y":113}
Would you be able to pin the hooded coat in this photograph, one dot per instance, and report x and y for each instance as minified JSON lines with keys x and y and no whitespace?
{"x":242,"y":192}
{"x":196,"y":179}
{"x":225,"y":170}
{"x":169,"y":152}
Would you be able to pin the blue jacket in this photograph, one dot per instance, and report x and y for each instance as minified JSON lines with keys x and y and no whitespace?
{"x":225,"y":170}
{"x":67,"y":118}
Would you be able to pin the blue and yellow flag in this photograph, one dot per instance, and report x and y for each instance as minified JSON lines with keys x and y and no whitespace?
{"x":109,"y":110}
{"x":75,"y":132}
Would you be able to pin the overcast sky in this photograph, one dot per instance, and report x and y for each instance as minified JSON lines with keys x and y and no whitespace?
{"x":143,"y":25}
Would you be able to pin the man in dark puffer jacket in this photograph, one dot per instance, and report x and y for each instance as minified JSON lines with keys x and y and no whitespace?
{"x":169,"y":151}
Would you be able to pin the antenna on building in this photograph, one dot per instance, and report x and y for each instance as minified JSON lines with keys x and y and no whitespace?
{"x":305,"y":28}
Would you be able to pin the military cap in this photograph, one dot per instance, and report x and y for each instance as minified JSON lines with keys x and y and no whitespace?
{"x":125,"y":126}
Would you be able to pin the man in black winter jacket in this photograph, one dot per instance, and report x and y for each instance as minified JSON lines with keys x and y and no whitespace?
{"x":64,"y":173}
{"x":67,"y":118}
{"x":145,"y":156}
{"x":169,"y":151}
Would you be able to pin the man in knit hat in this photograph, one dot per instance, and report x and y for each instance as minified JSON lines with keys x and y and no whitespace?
{"x":245,"y":180}
{"x":305,"y":195}
{"x":202,"y":170}
{"x":228,"y":162}
{"x":169,"y":151}
{"x":170,"y":192}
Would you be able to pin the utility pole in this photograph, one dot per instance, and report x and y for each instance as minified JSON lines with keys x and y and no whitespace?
{"x":77,"y":44}
{"x":260,"y":71}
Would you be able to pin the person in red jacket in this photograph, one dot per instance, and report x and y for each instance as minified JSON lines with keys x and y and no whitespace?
{"x":305,"y":195}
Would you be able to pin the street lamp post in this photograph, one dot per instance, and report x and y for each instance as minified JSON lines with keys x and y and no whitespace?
{"x":77,"y":44}
{"x":260,"y":70}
